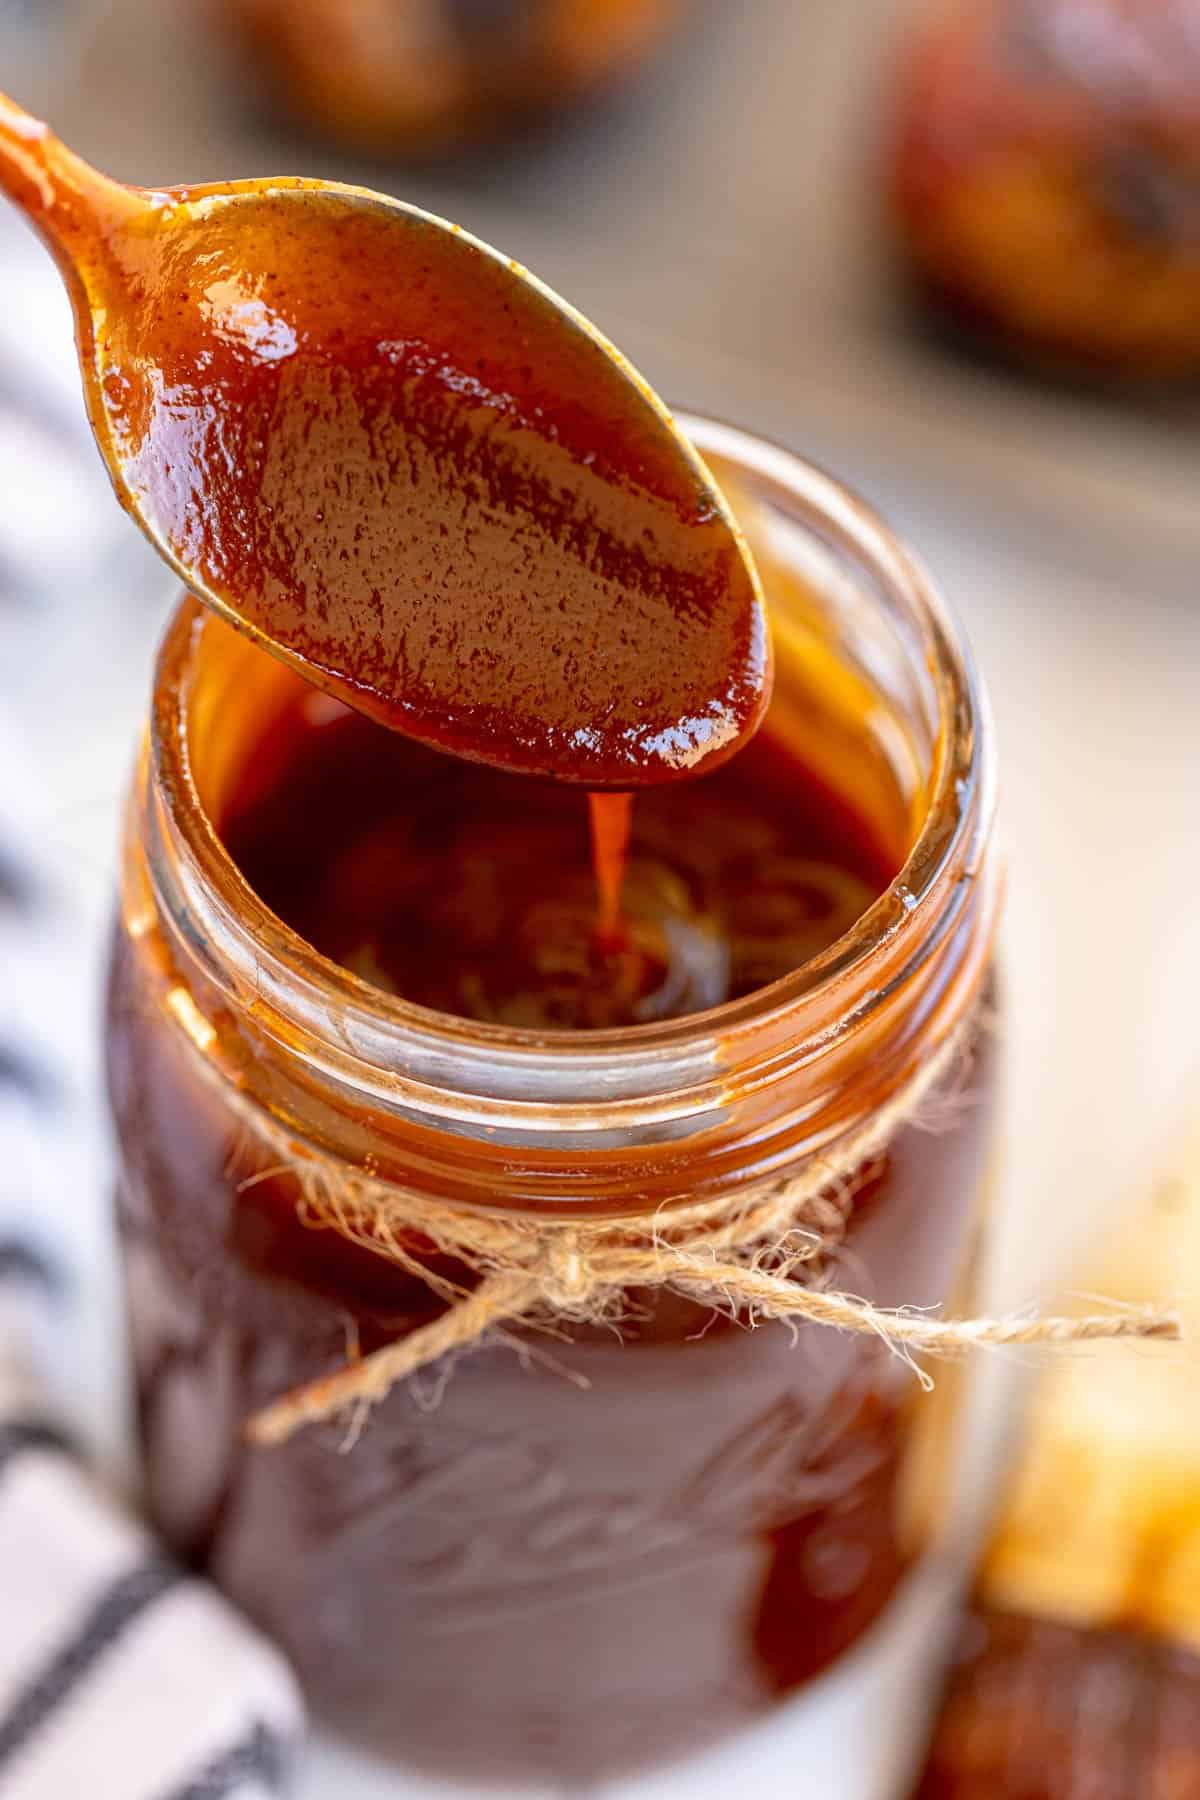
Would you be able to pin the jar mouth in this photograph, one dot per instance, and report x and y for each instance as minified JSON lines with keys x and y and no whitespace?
{"x":823,"y":998}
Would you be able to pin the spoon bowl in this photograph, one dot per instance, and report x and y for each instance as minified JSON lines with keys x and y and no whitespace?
{"x":404,"y":465}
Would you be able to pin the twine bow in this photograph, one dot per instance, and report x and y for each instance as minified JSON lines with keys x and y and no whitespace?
{"x":766,"y":1253}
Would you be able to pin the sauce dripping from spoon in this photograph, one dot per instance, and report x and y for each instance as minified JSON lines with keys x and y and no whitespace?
{"x":611,"y":819}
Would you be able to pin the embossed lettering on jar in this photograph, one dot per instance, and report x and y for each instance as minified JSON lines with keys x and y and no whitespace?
{"x":571,"y":1553}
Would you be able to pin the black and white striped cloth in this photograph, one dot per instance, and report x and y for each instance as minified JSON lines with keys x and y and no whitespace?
{"x":122,"y":1677}
{"x":121,"y":1674}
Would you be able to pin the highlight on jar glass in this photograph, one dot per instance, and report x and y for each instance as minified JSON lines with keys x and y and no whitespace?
{"x":1044,"y":178}
{"x":450,"y":1183}
{"x":428,"y":75}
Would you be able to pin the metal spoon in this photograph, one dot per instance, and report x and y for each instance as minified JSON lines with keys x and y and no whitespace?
{"x":402,"y":464}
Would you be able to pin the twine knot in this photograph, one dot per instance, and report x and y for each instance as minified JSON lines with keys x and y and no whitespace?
{"x":566,"y":1281}
{"x":765,"y":1252}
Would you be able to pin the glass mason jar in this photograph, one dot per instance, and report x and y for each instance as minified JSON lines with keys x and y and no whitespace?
{"x":504,"y":1571}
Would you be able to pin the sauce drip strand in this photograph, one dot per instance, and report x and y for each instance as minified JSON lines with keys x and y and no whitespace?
{"x":611,"y":819}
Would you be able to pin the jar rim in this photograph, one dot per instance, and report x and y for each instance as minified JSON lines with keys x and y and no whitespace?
{"x":827,"y":996}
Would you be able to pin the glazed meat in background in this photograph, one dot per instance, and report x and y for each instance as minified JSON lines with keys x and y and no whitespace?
{"x":1045,"y":177}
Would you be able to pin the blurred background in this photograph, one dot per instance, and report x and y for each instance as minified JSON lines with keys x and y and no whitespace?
{"x":771,"y":206}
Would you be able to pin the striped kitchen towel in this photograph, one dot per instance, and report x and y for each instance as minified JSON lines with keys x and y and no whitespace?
{"x":122,"y":1677}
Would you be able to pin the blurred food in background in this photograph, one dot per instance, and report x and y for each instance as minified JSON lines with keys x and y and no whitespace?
{"x":427,"y":75}
{"x":1077,"y":1671}
{"x":1045,"y":177}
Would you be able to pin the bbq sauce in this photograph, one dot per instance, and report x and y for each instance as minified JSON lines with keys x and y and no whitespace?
{"x":406,"y":467}
{"x":465,"y":890}
{"x":397,"y":465}
{"x":568,"y":1554}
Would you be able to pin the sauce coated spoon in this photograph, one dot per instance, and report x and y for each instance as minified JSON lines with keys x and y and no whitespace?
{"x":405,"y":466}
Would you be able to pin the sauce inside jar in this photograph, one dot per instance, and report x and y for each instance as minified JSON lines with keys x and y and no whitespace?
{"x":466,"y":890}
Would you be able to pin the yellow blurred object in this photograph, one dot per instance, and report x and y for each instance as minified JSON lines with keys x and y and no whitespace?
{"x":1104,"y":1523}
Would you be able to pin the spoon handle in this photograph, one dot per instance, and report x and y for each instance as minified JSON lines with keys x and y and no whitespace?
{"x":73,"y":206}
